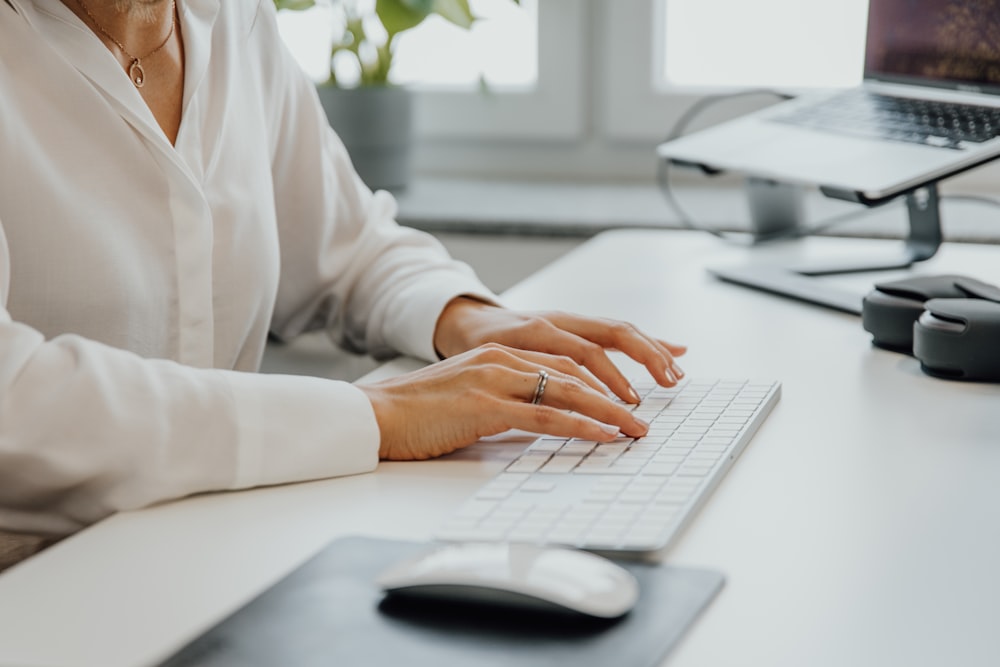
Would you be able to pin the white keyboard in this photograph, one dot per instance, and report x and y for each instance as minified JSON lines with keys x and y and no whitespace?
{"x":632,"y":495}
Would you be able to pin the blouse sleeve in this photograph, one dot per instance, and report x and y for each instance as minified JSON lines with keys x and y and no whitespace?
{"x":347,"y":266}
{"x":87,"y":429}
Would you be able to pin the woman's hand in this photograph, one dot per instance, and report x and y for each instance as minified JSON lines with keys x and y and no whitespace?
{"x":488,"y":390}
{"x":467,"y":323}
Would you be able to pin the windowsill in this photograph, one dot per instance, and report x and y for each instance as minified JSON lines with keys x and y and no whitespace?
{"x":584,"y":209}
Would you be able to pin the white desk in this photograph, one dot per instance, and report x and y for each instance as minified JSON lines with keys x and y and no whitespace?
{"x":860,"y":527}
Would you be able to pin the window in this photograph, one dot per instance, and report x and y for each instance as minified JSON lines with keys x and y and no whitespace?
{"x":501,"y":49}
{"x":435,"y":55}
{"x":532,"y":85}
{"x":786,"y":44}
{"x":699,"y":47}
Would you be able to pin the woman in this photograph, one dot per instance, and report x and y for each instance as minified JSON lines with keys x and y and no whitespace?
{"x":170,"y":193}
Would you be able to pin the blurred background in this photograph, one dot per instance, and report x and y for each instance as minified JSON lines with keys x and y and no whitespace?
{"x":535,"y":127}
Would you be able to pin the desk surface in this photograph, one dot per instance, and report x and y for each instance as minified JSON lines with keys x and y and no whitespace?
{"x":860,"y":527}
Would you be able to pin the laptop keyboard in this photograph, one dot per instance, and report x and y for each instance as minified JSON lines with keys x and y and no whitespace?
{"x":633,"y":495}
{"x":870,"y":115}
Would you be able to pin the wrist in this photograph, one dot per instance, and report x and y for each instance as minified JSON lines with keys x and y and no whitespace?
{"x":382,"y":418}
{"x":450,"y":335}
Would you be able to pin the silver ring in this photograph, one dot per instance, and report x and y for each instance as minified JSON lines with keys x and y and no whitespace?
{"x":543,"y":379}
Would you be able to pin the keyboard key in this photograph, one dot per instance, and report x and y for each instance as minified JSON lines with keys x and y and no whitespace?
{"x":663,"y":469}
{"x":538,"y":486}
{"x":560,"y":464}
{"x":476,"y":509}
{"x":528,"y":462}
{"x":693,"y":470}
{"x":584,"y":469}
{"x":600,"y":498}
{"x":494,"y":493}
{"x":550,"y":446}
{"x":577,"y":448}
{"x":637,"y":497}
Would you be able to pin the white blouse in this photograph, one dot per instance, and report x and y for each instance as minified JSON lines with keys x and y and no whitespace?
{"x":139,"y":279}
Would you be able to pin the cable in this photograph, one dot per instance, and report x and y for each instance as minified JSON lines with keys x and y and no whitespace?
{"x":973,"y":199}
{"x":663,"y":165}
{"x":709,"y":100}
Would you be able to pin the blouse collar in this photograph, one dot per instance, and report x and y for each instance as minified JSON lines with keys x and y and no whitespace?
{"x":65,"y":32}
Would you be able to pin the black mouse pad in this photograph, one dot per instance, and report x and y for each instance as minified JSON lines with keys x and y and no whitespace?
{"x":330,"y":612}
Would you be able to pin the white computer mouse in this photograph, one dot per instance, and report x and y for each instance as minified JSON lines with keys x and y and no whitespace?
{"x":520,"y":575}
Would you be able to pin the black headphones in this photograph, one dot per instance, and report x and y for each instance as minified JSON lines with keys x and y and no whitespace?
{"x":950,"y":323}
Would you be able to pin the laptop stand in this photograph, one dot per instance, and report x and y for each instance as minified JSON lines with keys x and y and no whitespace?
{"x":923,"y":207}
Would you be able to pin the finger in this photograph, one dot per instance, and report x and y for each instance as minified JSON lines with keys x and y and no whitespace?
{"x":587,"y":355}
{"x":568,"y":393}
{"x":581,"y":411}
{"x":561,"y":423}
{"x":545,"y":337}
{"x":531,"y":361}
{"x":657,"y":357}
{"x":586,"y":342}
{"x":672,"y":351}
{"x":532,"y":378}
{"x":673,"y":348}
{"x":550,"y":420}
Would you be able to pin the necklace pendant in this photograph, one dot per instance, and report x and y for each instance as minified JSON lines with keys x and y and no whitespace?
{"x":136,"y":73}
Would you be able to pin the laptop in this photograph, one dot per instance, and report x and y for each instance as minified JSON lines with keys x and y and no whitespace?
{"x":931,"y":68}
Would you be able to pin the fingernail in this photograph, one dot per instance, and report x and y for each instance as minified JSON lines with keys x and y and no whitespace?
{"x":634,"y":395}
{"x":644,"y":425}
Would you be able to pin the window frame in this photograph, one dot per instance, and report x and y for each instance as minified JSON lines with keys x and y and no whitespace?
{"x":634,"y":109}
{"x":593,"y":114}
{"x":553,"y":109}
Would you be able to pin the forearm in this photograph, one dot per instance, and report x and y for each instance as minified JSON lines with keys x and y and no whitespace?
{"x":87,"y":430}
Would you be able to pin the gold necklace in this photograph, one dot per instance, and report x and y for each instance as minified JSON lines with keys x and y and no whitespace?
{"x":135,"y":71}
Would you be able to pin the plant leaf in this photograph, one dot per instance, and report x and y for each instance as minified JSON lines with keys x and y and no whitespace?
{"x":456,"y":11}
{"x":293,"y":5}
{"x":419,"y":5}
{"x":400,"y":15}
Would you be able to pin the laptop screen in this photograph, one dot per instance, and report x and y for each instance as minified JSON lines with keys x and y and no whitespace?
{"x":948,"y":43}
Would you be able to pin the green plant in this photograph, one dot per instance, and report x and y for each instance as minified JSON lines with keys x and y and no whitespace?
{"x":374,"y":53}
